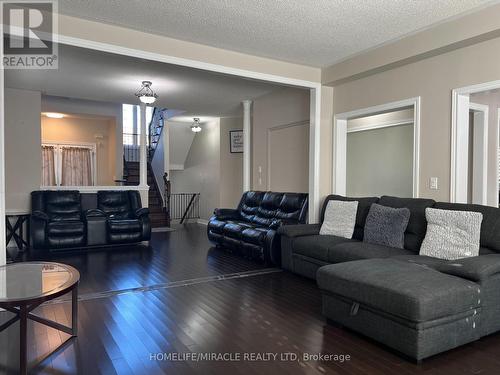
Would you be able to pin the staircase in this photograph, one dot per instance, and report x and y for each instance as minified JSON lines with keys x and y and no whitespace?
{"x":158,"y":215}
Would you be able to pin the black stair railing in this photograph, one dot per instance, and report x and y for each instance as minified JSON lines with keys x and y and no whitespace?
{"x":155,"y":131}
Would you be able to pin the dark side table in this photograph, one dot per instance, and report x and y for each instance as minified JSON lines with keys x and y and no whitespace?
{"x":15,"y":230}
{"x":25,"y":286}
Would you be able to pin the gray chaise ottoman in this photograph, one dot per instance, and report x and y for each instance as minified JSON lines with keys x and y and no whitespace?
{"x":409,"y":307}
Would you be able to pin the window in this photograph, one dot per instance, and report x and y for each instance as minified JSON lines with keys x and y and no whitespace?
{"x":131,"y":123}
{"x":68,"y":164}
{"x":132,"y":130}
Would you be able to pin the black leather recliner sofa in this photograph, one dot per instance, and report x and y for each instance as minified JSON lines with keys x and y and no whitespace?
{"x":127,"y":221}
{"x":250,"y":229}
{"x":59,"y":220}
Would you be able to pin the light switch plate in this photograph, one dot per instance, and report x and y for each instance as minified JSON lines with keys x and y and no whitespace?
{"x":433,"y":183}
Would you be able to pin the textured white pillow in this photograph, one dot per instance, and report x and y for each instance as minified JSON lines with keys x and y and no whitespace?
{"x":340,"y":218}
{"x":451,"y":234}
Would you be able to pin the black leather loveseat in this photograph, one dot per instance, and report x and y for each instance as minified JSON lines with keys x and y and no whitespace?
{"x":250,"y":229}
{"x":60,"y":220}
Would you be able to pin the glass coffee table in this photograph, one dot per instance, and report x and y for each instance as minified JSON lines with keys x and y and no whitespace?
{"x":25,"y":286}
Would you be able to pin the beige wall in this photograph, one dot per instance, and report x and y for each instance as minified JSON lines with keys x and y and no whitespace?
{"x":80,"y":129}
{"x":380,"y":162}
{"x":201,"y":172}
{"x":23,"y":159}
{"x":279,"y":108}
{"x":433,"y":80}
{"x":288,"y":158}
{"x":231,"y":165}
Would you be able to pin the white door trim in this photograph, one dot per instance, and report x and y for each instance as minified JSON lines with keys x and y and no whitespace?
{"x":480,"y":153}
{"x":460,"y":104}
{"x":340,"y":140}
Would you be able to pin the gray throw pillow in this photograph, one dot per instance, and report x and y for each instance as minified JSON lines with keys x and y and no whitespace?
{"x":451,"y":234}
{"x":340,"y":218}
{"x":386,"y":226}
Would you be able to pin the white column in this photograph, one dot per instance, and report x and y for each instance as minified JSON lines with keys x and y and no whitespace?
{"x":143,"y":160}
{"x":3,"y":245}
{"x":247,"y":144}
{"x":314,"y":153}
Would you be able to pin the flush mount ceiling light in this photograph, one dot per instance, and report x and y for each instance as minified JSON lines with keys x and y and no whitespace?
{"x":146,"y":94}
{"x":54,"y":115}
{"x":196,"y":128}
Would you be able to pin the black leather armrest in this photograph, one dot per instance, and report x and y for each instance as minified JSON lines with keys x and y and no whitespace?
{"x":39,"y":215}
{"x":140,"y":212}
{"x":226,"y":213}
{"x":94,"y":212}
{"x":474,"y":268}
{"x":299,"y":230}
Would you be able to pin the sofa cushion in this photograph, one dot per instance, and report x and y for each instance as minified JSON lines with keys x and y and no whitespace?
{"x":124,"y":225}
{"x":234,"y":229}
{"x":420,"y":259}
{"x":348,"y":251}
{"x":451,"y":234}
{"x":477,"y":268}
{"x":254,"y":235}
{"x":249,"y":204}
{"x":409,"y":291}
{"x":417,"y":225}
{"x":317,"y":246}
{"x":363,"y":208}
{"x":268,"y":208}
{"x":386,"y":226}
{"x":63,"y":205}
{"x":114,"y":203}
{"x":216,"y":226}
{"x":293,"y":208}
{"x":65,"y":228}
{"x":490,"y":227}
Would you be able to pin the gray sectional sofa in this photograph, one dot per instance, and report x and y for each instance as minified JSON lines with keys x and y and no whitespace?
{"x":417,"y":305}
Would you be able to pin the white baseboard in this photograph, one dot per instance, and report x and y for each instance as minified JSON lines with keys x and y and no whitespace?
{"x":202,"y":221}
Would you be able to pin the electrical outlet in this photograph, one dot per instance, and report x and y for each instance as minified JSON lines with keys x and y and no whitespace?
{"x":433,"y":183}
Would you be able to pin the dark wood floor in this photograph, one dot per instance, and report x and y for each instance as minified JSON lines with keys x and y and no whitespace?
{"x":254,"y":312}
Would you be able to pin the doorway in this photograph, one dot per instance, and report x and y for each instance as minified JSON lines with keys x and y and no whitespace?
{"x":474,"y":147}
{"x":374,"y":127}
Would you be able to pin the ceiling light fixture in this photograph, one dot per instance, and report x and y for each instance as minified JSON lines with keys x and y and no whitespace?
{"x":146,"y":94}
{"x":54,"y":115}
{"x":196,"y":128}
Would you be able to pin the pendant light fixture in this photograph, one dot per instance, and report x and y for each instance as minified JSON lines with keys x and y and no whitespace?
{"x":195,"y":127}
{"x":146,"y":93}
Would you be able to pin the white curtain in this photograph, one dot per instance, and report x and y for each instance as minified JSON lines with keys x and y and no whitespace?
{"x":48,"y":166}
{"x":76,"y":166}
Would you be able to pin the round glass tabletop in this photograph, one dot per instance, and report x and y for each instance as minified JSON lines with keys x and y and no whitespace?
{"x":33,"y":280}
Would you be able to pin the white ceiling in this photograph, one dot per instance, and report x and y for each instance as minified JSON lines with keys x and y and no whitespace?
{"x":311,"y":32}
{"x":93,"y":75}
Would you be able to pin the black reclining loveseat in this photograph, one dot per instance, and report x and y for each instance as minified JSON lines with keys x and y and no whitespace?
{"x":418,"y":305}
{"x":250,"y":229}
{"x":60,"y":221}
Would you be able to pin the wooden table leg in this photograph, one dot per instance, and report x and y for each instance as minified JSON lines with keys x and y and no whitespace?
{"x":74,"y":311}
{"x":23,"y":340}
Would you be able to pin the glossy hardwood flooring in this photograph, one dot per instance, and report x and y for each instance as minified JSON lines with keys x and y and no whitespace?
{"x":181,"y":296}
